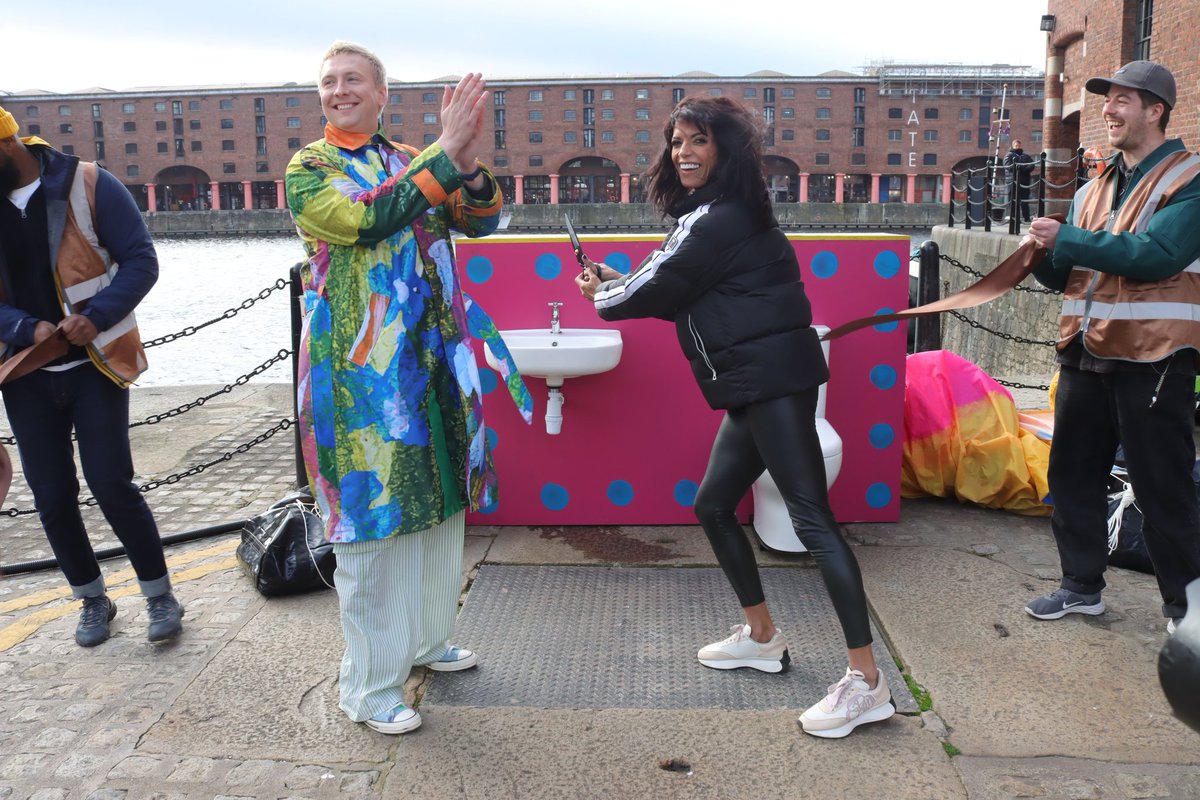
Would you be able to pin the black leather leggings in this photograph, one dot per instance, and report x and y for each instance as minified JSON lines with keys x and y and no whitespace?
{"x":781,"y":436}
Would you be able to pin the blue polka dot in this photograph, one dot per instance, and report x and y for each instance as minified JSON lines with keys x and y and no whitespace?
{"x":878,"y":495}
{"x":618,"y":261}
{"x":620,"y":493}
{"x":824,"y":264}
{"x":479,"y":269}
{"x":555,"y":497}
{"x":881,"y":435}
{"x":685,"y":493}
{"x":492,"y":437}
{"x":883,"y":376}
{"x":886,"y":326}
{"x":487,"y":380}
{"x":548,"y":266}
{"x":887,"y":264}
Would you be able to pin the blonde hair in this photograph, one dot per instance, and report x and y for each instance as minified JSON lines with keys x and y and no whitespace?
{"x":353,"y":48}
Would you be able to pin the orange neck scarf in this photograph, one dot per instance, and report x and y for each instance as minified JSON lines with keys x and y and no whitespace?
{"x":347,"y":140}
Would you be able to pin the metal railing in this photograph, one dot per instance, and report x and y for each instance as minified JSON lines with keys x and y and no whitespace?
{"x":995,"y":193}
{"x":929,"y":288}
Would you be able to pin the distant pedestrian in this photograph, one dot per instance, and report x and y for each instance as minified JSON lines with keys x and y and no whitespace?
{"x":728,"y":277}
{"x":1019,"y":165}
{"x":1129,"y":337}
{"x":391,"y":411}
{"x":68,"y":285}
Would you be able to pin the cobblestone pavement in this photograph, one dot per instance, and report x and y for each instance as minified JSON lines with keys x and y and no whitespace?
{"x":71,"y":719}
{"x":244,"y":704}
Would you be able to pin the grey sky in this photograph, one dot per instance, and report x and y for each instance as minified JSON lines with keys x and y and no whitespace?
{"x":123,"y":44}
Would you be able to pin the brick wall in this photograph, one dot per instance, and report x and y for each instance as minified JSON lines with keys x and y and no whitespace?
{"x":1097,"y":37}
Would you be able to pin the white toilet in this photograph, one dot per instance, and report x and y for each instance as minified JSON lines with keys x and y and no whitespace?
{"x":771,"y":520}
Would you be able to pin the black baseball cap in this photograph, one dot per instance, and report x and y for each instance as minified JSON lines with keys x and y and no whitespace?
{"x":1146,"y":75}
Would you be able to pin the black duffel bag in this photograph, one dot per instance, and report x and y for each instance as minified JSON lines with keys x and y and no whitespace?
{"x":284,"y":550}
{"x":1126,"y":537}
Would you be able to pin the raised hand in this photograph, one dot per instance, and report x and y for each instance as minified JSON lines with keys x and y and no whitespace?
{"x":463,"y":108}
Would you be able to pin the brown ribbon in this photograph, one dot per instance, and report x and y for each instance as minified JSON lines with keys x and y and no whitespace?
{"x":6,"y":474}
{"x":1007,"y":274}
{"x":34,"y":357}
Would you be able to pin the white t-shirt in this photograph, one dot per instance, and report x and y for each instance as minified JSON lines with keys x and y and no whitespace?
{"x":20,"y":197}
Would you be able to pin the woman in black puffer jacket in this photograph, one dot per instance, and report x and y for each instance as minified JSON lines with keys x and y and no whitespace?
{"x":728,"y":277}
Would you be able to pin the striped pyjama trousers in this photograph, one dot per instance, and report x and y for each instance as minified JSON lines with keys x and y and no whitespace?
{"x":398,"y":599}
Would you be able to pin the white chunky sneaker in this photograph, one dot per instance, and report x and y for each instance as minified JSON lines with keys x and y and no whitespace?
{"x":739,"y":650}
{"x":850,"y":703}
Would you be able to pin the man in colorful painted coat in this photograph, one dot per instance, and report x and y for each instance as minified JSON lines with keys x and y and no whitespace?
{"x":1128,"y":264}
{"x":75,"y":260}
{"x":391,"y":409}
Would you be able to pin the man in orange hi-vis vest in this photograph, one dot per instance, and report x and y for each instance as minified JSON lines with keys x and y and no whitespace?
{"x":1128,"y":263}
{"x":75,"y":260}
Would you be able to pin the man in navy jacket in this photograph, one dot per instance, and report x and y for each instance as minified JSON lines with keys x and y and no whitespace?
{"x":65,"y":227}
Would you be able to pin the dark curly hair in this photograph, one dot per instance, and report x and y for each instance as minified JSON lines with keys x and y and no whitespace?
{"x":739,"y":172}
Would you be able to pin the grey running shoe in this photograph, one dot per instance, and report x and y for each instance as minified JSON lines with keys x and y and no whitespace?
{"x":1061,"y":602}
{"x":166,"y":617}
{"x":93,"y":622}
{"x":1171,"y":626}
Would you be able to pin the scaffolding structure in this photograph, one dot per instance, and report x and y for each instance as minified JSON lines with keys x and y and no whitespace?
{"x":967,"y":80}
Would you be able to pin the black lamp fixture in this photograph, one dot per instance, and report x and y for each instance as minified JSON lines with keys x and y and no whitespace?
{"x":1048,"y":21}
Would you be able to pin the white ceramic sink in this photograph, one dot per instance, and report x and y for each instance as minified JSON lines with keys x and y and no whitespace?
{"x":567,"y":354}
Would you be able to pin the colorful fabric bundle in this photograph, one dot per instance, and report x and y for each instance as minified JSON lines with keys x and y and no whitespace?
{"x":963,"y":438}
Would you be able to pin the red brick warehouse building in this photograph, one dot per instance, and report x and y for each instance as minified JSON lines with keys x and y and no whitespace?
{"x":1086,"y":38}
{"x":894,"y":133}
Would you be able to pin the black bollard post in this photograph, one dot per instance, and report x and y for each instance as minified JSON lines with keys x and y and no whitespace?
{"x":1014,"y":201}
{"x":1041,"y":204}
{"x":296,"y":298}
{"x":929,"y":327}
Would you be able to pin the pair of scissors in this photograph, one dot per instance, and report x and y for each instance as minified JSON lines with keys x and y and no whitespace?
{"x":579,"y":256}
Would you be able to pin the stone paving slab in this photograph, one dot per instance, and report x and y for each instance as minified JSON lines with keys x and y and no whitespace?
{"x":553,"y":753}
{"x":1054,"y":778}
{"x":271,"y":693}
{"x":1000,"y":670}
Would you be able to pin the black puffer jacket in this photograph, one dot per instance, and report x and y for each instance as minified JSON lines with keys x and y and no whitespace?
{"x":734,"y":292}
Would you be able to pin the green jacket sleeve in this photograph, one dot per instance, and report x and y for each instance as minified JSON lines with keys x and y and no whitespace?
{"x":1045,"y":273}
{"x":1170,"y":243}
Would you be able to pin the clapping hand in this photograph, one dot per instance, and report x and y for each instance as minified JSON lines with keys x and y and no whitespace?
{"x":462,"y":122}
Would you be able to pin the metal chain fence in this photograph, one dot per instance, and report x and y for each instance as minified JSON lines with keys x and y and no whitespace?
{"x":916,"y":256}
{"x":153,"y":419}
{"x":150,"y":486}
{"x":228,"y":314}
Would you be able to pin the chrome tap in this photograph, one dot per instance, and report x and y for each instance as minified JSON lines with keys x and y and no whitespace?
{"x":554,"y":317}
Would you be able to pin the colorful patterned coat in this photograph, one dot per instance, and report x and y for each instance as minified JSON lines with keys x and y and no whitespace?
{"x":391,"y":412}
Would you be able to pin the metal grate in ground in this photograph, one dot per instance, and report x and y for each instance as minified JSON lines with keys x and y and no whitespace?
{"x":621,"y":637}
